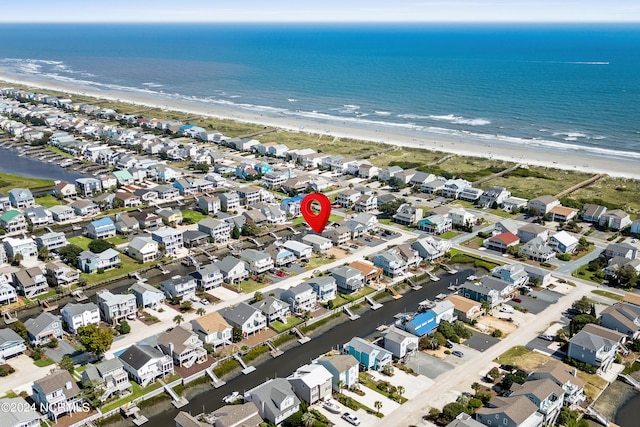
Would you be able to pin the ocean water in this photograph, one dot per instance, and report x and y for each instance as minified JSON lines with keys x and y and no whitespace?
{"x":575,"y":85}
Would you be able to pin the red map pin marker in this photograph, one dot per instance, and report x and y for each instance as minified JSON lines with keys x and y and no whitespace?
{"x":318,"y":221}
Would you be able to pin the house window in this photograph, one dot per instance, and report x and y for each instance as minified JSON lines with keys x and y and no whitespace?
{"x":504,"y":421}
{"x":497,"y":416}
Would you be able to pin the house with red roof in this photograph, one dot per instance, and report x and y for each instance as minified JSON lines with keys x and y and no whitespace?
{"x":501,"y":242}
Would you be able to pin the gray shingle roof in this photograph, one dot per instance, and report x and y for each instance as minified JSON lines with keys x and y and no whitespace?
{"x":40,"y":323}
{"x":137,"y":355}
{"x":239,"y":314}
{"x":76,"y":309}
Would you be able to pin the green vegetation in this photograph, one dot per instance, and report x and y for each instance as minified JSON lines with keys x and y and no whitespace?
{"x":136,"y":392}
{"x":301,"y":220}
{"x":41,"y":363}
{"x":255,"y":352}
{"x":535,"y":181}
{"x":521,"y":357}
{"x":80,"y":241}
{"x":226,"y":366}
{"x":449,"y":234}
{"x":280,"y":327}
{"x":460,"y":257}
{"x":586,"y":272}
{"x":117,"y":240}
{"x":128,"y":265}
{"x":282,"y":339}
{"x":355,"y":405}
{"x":315,"y":325}
{"x":191,"y":216}
{"x":249,"y":286}
{"x":316,"y":261}
{"x":59,"y":151}
{"x":9,"y":181}
{"x":607,"y":294}
{"x":48,"y":201}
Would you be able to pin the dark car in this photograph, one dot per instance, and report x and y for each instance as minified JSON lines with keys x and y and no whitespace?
{"x":516,"y":299}
{"x":508,"y":368}
{"x":457,"y":353}
{"x":448,"y":344}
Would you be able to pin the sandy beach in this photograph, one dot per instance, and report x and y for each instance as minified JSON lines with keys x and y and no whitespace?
{"x":539,"y":153}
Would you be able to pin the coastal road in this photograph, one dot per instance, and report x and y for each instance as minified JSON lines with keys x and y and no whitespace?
{"x":448,"y":386}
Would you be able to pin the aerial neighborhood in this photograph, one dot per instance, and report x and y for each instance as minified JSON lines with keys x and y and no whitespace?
{"x":179,"y":256}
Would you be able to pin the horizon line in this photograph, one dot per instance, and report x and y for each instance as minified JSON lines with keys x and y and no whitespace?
{"x":519,"y":22}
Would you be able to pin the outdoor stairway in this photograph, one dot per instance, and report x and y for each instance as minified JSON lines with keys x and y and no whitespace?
{"x":215,"y":381}
{"x":178,"y":401}
{"x":301,"y":338}
{"x":630,"y":380}
{"x":374,"y":305}
{"x":9,"y":318}
{"x":413,"y":285}
{"x":79,"y":295}
{"x":274,"y":351}
{"x":245,"y":369}
{"x":350,"y":314}
{"x":393,"y":292}
{"x":48,"y":307}
{"x":433,"y":277}
{"x":448,"y":269}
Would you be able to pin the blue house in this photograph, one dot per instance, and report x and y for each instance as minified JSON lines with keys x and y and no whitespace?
{"x":291,"y":205}
{"x":21,"y":198}
{"x":369,"y":355}
{"x":635,"y":227}
{"x":102,"y":228}
{"x":263,"y":168}
{"x":421,"y":324}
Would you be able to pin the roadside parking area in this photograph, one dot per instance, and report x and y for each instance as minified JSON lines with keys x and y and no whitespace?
{"x":429,"y":366}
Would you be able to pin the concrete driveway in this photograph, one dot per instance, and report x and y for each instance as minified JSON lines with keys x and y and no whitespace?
{"x":536,"y":305}
{"x":429,"y":366}
{"x":480,"y":342}
{"x":64,"y":348}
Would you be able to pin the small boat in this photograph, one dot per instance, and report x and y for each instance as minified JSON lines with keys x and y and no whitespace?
{"x":331,"y":406}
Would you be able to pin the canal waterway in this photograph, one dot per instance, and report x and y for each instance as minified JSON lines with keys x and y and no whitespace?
{"x":292,"y":359}
{"x":11,"y":162}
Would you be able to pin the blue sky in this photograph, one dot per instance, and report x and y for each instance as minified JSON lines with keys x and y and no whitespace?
{"x":321,"y":11}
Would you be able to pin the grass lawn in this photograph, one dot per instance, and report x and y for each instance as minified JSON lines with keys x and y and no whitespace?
{"x":316,"y":261}
{"x":458,"y":256}
{"x":192,"y":215}
{"x":117,"y":240}
{"x":249,"y":286}
{"x":45,"y":295}
{"x":607,"y":294}
{"x":584,"y":273}
{"x":44,"y":362}
{"x":128,"y":265}
{"x":593,"y":384}
{"x":9,"y":181}
{"x":359,"y":294}
{"x":522,"y":358}
{"x":449,"y":234}
{"x":80,"y":241}
{"x":338,"y":301}
{"x":59,"y":151}
{"x":136,"y":391}
{"x":280,"y":327}
{"x":499,"y":212}
{"x":48,"y":201}
{"x":301,"y":220}
{"x":385,"y":221}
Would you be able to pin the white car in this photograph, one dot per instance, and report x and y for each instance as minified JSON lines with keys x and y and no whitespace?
{"x":505,"y":308}
{"x":351,"y":419}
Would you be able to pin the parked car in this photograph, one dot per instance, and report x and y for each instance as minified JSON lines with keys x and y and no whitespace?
{"x":457,"y":353}
{"x":231,"y":397}
{"x":280,"y":273}
{"x":354,"y":246}
{"x":547,"y":337}
{"x":351,"y":419}
{"x":204,"y":301}
{"x":506,"y":308}
{"x":448,"y":344}
{"x":516,"y":299}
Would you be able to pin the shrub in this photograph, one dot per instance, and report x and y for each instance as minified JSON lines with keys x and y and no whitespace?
{"x":53,"y":342}
{"x":497,"y":333}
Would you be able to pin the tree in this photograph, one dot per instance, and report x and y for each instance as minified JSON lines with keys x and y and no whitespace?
{"x":178,"y":319}
{"x":257,"y":296}
{"x":627,"y":277}
{"x":518,"y":377}
{"x":250,"y":228}
{"x":92,"y":391}
{"x":388,"y":209}
{"x":202,"y":167}
{"x":99,"y":245}
{"x":475,"y":387}
{"x":17,"y":259}
{"x":400,"y":390}
{"x":578,"y":322}
{"x":185,"y":306}
{"x":378,"y":405}
{"x":66,"y":363}
{"x":236,"y":334}
{"x":494,"y":373}
{"x":486,"y":307}
{"x":19,"y":328}
{"x":396,"y":183}
{"x":201,"y":311}
{"x":123,"y":327}
{"x":235,"y":232}
{"x":308,"y":420}
{"x":69,"y":254}
{"x":451,"y":410}
{"x":95,"y":339}
{"x":43,"y":253}
{"x":583,"y":305}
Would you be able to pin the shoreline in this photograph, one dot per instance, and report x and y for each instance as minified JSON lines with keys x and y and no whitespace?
{"x":535,"y":153}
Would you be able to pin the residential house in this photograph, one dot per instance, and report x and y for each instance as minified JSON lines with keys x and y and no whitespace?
{"x":249,"y":195}
{"x":312,"y":383}
{"x":537,"y":274}
{"x":116,"y":307}
{"x":147,"y":194}
{"x":512,"y":204}
{"x":21,"y":198}
{"x":537,"y":250}
{"x":233,"y":270}
{"x":107,"y":181}
{"x":257,"y":261}
{"x":43,"y":328}
{"x":435,"y":224}
{"x":433,"y":187}
{"x":255,"y":216}
{"x":30,"y":282}
{"x":170,"y":216}
{"x":194,"y":238}
{"x":510,"y":412}
{"x":62,"y":273}
{"x":470,"y":194}
{"x":387,"y":173}
{"x":347,"y":279}
{"x":147,"y":296}
{"x":84,"y":207}
{"x":38,"y":216}
{"x":170,"y":238}
{"x":212,"y":329}
{"x":343,"y":368}
{"x":615,"y":220}
{"x":273,"y":309}
{"x":543,"y":204}
{"x":623,"y":318}
{"x":461,"y":218}
{"x":280,"y":256}
{"x":145,"y":364}
{"x":208,"y":277}
{"x":75,"y":316}
{"x":511,"y":273}
{"x":167,"y":192}
{"x":465,"y":309}
{"x":407,"y":214}
{"x":592,"y":213}
{"x":62,"y":213}
{"x":431,"y":248}
{"x":235,"y":415}
{"x":614,"y":266}
{"x":88,"y":186}
{"x":596,"y":346}
{"x":183,"y":346}
{"x":369,"y":271}
{"x":325,"y":287}
{"x":392,"y":264}
{"x":301,"y":298}
{"x":563,"y":376}
{"x":531,"y":231}
{"x":300,"y":250}
{"x":545,"y":394}
{"x":494,"y":196}
{"x":501,"y":242}
{"x":183,"y":287}
{"x":338,"y":235}
{"x":8,"y":293}
{"x":57,"y":394}
{"x":11,"y":344}
{"x":248,"y":318}
{"x":102,"y":228}
{"x":347,"y":198}
{"x":368,"y":355}
{"x":276,"y":400}
{"x":562,"y":213}
{"x":142,"y":249}
{"x":13,"y":221}
{"x":493,"y":291}
{"x":219,"y":230}
{"x":320,"y":244}
{"x":563,"y":242}
{"x":409,"y":255}
{"x":454,"y":187}
{"x":127,"y":200}
{"x":400,"y":343}
{"x":5,"y":204}
{"x":148,"y":220}
{"x":110,"y":376}
{"x":229,"y":201}
{"x":419,"y":324}
{"x":635,"y":227}
{"x":611,"y":251}
{"x":209,"y":205}
{"x":52,"y":241}
{"x":90,"y":262}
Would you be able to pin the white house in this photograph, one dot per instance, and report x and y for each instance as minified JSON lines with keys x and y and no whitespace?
{"x":76,"y":315}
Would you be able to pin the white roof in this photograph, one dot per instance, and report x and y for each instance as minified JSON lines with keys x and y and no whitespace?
{"x":565,"y":238}
{"x":312,"y":375}
{"x":296,"y":246}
